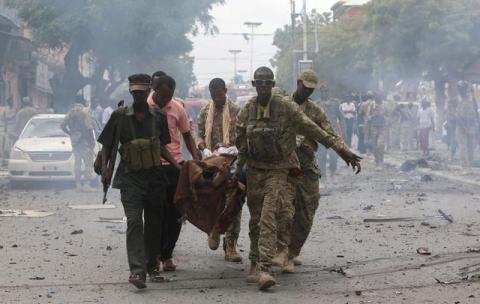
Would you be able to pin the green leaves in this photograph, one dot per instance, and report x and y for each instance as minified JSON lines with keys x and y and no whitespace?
{"x":124,"y":36}
{"x":393,"y":40}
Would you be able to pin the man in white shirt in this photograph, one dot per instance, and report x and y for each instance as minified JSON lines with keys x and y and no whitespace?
{"x":426,"y":123}
{"x":349,"y":113}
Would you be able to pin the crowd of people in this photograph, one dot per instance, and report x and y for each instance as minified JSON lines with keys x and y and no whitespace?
{"x":375,"y":123}
{"x":277,"y":138}
{"x":285,"y":143}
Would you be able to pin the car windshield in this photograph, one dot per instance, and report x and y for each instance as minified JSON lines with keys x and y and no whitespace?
{"x":44,"y":128}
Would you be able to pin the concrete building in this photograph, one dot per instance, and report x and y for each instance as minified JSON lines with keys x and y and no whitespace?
{"x":23,"y":71}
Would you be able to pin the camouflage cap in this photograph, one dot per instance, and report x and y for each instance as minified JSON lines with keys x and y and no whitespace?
{"x":309,"y":79}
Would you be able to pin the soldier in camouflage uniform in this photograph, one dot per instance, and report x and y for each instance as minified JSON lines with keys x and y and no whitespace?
{"x":375,"y":117}
{"x":467,"y":123}
{"x":266,"y":137}
{"x":219,"y":115}
{"x":79,"y":125}
{"x":331,"y":107}
{"x":407,"y":126}
{"x":306,"y":181}
{"x":142,"y":133}
{"x":23,"y":116}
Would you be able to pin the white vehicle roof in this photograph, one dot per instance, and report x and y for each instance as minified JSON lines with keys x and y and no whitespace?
{"x":47,"y":116}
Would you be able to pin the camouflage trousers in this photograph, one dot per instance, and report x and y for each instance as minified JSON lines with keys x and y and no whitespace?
{"x":268,"y":199}
{"x":233,"y":231}
{"x":466,"y":145}
{"x":377,"y":142}
{"x":306,"y":199}
{"x":83,"y":155}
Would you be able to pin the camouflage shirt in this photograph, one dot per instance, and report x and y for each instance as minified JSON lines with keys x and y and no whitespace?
{"x":217,"y":129}
{"x":307,"y":146}
{"x":289,"y":121}
{"x":466,"y":117}
{"x":79,"y":125}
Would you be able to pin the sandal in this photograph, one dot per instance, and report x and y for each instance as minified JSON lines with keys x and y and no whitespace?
{"x":155,"y":276}
{"x":168,"y":265}
{"x":138,"y":280}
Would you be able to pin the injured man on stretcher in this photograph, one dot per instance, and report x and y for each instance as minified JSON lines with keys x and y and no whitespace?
{"x":208,"y":195}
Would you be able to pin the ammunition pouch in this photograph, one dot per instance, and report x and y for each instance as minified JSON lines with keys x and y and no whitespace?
{"x":140,"y":154}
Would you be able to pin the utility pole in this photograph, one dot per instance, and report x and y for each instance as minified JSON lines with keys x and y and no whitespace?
{"x":252,"y":26}
{"x":305,"y":20}
{"x":235,"y":53}
{"x":293,"y":16}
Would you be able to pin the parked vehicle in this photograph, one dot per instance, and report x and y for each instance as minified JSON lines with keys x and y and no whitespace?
{"x":43,"y":151}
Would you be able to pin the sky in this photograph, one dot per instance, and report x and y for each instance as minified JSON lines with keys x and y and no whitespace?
{"x":212,"y":58}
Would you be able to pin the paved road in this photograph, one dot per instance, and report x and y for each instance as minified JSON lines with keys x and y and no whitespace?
{"x":345,"y":260}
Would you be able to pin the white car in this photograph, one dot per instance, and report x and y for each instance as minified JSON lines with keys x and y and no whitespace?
{"x":43,"y":152}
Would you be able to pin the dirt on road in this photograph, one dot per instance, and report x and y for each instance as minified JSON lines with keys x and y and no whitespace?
{"x":362,"y":249}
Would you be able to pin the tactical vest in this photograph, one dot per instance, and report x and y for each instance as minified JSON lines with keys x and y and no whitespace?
{"x":141,"y":153}
{"x":267,"y":143}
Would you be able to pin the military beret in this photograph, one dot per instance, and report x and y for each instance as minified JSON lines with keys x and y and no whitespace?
{"x":139,"y":82}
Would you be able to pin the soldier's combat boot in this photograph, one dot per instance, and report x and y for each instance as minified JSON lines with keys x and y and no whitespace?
{"x":214,"y":240}
{"x":289,"y":266}
{"x":280,"y":259}
{"x":265,"y":281}
{"x":230,"y":248}
{"x":253,"y":274}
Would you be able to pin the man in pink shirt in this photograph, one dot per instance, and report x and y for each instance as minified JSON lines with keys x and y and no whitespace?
{"x":178,"y":125}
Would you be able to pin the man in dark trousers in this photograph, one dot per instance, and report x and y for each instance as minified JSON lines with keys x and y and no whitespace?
{"x":179,"y":128}
{"x":142,"y":133}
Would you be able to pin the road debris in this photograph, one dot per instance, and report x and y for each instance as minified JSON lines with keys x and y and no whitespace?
{"x":423,"y":251}
{"x":426,"y":178}
{"x":36,"y":278}
{"x":91,"y":207}
{"x":473,"y":250}
{"x":369,"y":207}
{"x":412,"y":164}
{"x":24,"y":213}
{"x":112,"y":220}
{"x":446,"y":282}
{"x":339,"y":270}
{"x":79,"y":231}
{"x":335,"y":217}
{"x":445,"y":216}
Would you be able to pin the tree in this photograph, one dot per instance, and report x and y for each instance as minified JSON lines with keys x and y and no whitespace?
{"x":436,"y":38}
{"x":341,"y":56}
{"x":393,"y":40}
{"x":121,"y":36}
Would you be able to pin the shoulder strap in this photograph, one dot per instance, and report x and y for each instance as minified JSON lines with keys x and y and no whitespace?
{"x":154,"y":130}
{"x":274,"y":109}
{"x":123,"y":111}
{"x":132,"y":127}
{"x":252,"y":115}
